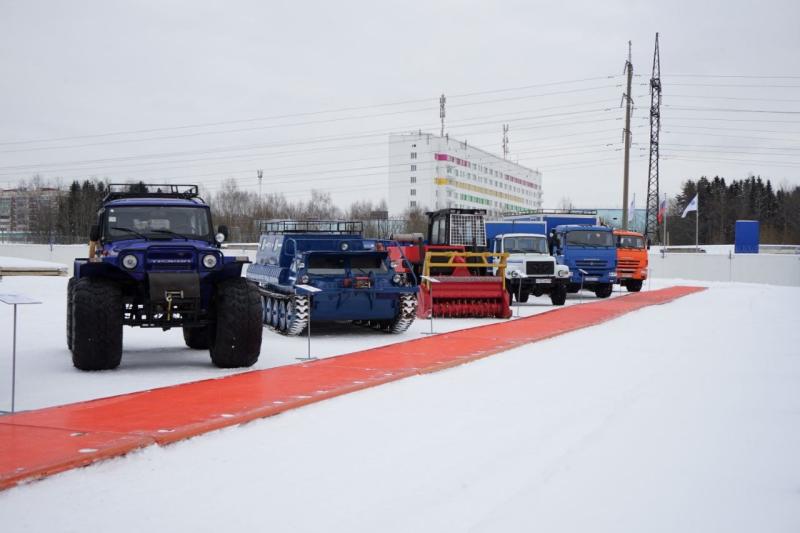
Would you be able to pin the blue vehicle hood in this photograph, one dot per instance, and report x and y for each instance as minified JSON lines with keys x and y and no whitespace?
{"x":138,"y":244}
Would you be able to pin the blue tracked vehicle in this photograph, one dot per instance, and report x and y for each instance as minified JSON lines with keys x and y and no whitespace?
{"x":155,"y":261}
{"x":355,"y":279}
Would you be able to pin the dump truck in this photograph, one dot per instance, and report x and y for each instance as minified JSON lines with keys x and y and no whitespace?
{"x":324,"y":270}
{"x":590,"y":253}
{"x":458,"y":276}
{"x":155,"y":261}
{"x":631,"y":259}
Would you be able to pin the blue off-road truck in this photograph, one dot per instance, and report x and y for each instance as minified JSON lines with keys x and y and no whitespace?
{"x":155,"y":262}
{"x":326,"y":271}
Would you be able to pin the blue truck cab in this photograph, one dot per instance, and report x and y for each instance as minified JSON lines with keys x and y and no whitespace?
{"x":327,"y":271}
{"x":155,"y":261}
{"x":591,"y":255}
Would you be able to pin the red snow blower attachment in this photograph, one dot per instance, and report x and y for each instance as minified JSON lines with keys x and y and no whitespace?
{"x":463,"y":292}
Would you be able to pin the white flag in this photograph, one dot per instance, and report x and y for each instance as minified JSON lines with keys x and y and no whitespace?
{"x":691,"y":207}
{"x":632,"y":210}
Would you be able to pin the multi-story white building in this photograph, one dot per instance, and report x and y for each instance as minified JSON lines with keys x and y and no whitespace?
{"x":435,"y":172}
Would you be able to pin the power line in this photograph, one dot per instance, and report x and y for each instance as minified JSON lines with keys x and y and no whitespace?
{"x":748,"y":76}
{"x":731,"y":110}
{"x":271,"y":154}
{"x":205,"y":133}
{"x":741,"y":98}
{"x":339,"y":110}
{"x":735,"y":147}
{"x":762,"y":86}
{"x":749,"y":161}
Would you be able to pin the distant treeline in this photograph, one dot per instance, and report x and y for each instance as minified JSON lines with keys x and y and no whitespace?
{"x":67,"y":218}
{"x":723,"y":203}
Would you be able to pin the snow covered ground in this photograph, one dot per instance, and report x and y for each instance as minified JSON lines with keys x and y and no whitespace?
{"x":681,"y":417}
{"x":154,"y":358}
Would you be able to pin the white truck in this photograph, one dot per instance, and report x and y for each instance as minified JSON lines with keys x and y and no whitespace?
{"x":530,"y":269}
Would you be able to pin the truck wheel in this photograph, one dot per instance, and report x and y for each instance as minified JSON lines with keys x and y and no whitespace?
{"x":558,"y":295}
{"x":573,"y":288}
{"x":196,"y":338}
{"x":523,"y":296}
{"x":96,"y":324}
{"x":266,"y":310}
{"x":406,"y":313}
{"x":604,"y":290}
{"x":512,"y":294}
{"x":634,"y":285}
{"x":70,"y":299}
{"x":235,"y":339}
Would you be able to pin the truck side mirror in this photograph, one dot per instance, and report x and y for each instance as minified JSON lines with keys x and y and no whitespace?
{"x":94,"y":233}
{"x":223,"y":230}
{"x":648,"y":243}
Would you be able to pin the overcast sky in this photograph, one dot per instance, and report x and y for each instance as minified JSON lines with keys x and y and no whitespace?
{"x":74,"y":70}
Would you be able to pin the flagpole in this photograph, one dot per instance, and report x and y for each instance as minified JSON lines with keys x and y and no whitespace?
{"x":697,"y":225}
{"x":666,"y":209}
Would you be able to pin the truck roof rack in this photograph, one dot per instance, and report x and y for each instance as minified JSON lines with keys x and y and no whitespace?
{"x":335,"y":227}
{"x":552,"y":212}
{"x":116,"y":191}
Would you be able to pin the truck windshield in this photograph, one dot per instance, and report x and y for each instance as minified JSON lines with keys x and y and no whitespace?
{"x":590,"y":238}
{"x":364,"y":264}
{"x":325,"y":264}
{"x":335,"y":265}
{"x":157,"y":221}
{"x":522,"y":245}
{"x":629,"y":241}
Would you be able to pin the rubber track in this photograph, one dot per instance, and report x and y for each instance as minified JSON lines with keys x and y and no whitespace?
{"x":43,"y":442}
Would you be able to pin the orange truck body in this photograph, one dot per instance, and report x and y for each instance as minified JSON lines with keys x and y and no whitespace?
{"x":631,"y":259}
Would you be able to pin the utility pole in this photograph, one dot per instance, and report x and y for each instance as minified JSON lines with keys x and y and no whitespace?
{"x":627,"y":135}
{"x":260,"y":178}
{"x":442,"y":101}
{"x":651,"y":219}
{"x":505,"y":141}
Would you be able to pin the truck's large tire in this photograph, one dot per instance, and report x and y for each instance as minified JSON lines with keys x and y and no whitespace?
{"x":523,"y":296}
{"x":70,"y":299}
{"x":573,"y":288}
{"x":96,"y":324}
{"x":406,"y":313}
{"x":633,"y":285}
{"x":604,"y":290}
{"x":196,"y":338}
{"x":235,"y":339}
{"x":558,"y":295}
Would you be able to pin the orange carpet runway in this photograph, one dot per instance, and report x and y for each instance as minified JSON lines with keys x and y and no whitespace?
{"x":34,"y":444}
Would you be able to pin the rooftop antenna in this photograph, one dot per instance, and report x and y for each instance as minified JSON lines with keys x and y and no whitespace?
{"x":442,"y":101}
{"x":260,"y":178}
{"x":505,"y":141}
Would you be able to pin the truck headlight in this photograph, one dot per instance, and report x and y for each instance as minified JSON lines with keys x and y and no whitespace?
{"x":304,"y":279}
{"x":130,"y":261}
{"x":209,"y":261}
{"x":396,"y":279}
{"x":563,"y":273}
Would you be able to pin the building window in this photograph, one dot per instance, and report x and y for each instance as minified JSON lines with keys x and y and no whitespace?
{"x":413,"y":179}
{"x":413,"y":155}
{"x":413,"y":168}
{"x":413,"y":192}
{"x":412,"y":203}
